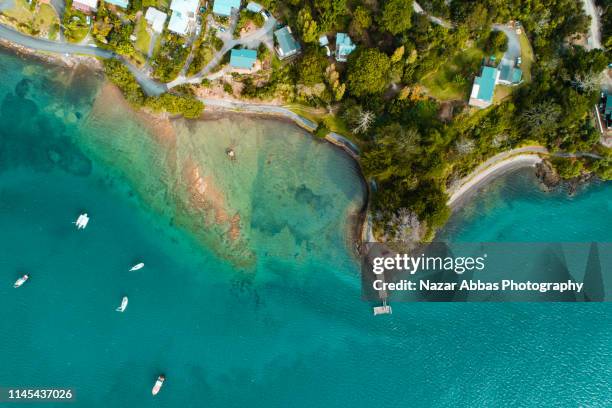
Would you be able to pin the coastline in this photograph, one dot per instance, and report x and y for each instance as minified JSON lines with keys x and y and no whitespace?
{"x":495,"y":166}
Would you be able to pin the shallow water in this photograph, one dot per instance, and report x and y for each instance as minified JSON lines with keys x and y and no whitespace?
{"x":272,"y":317}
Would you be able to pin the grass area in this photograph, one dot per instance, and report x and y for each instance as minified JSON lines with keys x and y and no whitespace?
{"x":143,"y":38}
{"x":501,"y":93}
{"x":527,"y":57}
{"x":39,"y":22}
{"x":451,"y":80}
{"x":318,"y":115}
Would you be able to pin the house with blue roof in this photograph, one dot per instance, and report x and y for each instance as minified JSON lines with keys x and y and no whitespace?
{"x":344,"y":46}
{"x":243,"y":58}
{"x":119,"y":3}
{"x":224,"y":8}
{"x":484,"y":87}
{"x":509,"y":75}
{"x":286,"y":45}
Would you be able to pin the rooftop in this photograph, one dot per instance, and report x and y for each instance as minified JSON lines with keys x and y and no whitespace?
{"x":344,"y":46}
{"x":484,"y":85}
{"x":224,"y":7}
{"x":156,"y":18}
{"x":186,"y":6}
{"x":91,"y":4}
{"x":286,"y":42}
{"x":254,"y":7}
{"x":243,"y":58}
{"x":119,"y":3}
{"x":323,"y":40}
{"x":179,"y":23}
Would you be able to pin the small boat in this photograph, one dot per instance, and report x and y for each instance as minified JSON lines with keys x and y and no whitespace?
{"x":82,"y":221}
{"x":124,"y":303}
{"x":230,"y":153}
{"x":158,"y":384}
{"x":21,"y":281}
{"x":137,"y":267}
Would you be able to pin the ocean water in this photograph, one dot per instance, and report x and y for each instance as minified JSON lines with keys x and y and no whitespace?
{"x":250,"y":295}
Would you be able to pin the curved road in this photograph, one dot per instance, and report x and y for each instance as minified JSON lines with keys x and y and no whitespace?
{"x":150,"y":86}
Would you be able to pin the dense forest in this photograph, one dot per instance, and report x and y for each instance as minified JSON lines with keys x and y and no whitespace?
{"x":408,"y":150}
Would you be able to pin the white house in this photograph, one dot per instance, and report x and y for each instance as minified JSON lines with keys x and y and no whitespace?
{"x":183,"y":18}
{"x":156,"y":18}
{"x":86,"y":6}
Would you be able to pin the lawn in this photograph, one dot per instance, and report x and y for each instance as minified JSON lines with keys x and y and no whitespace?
{"x":452,"y":80}
{"x":526,"y":56}
{"x":40,"y":23}
{"x":143,"y":38}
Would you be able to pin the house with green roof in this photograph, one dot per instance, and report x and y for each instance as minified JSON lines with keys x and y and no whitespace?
{"x":344,"y":46}
{"x":484,"y":87}
{"x":509,"y":75}
{"x":224,"y":8}
{"x":286,"y":45}
{"x":243,"y":59}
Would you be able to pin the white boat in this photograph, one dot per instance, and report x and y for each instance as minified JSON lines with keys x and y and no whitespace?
{"x":21,"y":281}
{"x":158,"y":384}
{"x":124,"y":303}
{"x":137,"y":267}
{"x":82,"y":221}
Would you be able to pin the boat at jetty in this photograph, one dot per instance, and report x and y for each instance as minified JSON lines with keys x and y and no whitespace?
{"x":21,"y":281}
{"x":158,"y":384}
{"x":230,"y":153}
{"x":137,"y":267}
{"x":82,"y":221}
{"x":124,"y":303}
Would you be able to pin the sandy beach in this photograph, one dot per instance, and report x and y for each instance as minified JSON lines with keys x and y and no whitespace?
{"x":499,"y":164}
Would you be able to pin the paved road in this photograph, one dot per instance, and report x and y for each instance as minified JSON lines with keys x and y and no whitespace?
{"x":436,"y":20}
{"x":150,"y":86}
{"x":514,"y":44}
{"x":594,"y":38}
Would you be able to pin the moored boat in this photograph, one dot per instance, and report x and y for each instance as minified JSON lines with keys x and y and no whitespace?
{"x":82,"y":221}
{"x":137,"y":267}
{"x":158,"y":384}
{"x":21,"y":281}
{"x":124,"y":303}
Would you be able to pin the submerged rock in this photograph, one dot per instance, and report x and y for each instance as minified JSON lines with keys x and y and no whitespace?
{"x":547,"y":174}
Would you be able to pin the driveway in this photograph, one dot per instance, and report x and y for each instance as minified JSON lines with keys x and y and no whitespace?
{"x":594,"y":39}
{"x":514,"y":44}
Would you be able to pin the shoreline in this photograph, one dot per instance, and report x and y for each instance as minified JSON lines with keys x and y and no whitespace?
{"x":496,"y":166}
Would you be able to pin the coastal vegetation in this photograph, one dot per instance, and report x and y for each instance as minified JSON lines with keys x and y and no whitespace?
{"x":400,"y":89}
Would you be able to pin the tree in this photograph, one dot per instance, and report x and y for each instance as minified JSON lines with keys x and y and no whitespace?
{"x":362,"y":19}
{"x":497,"y":41}
{"x":368,"y":72}
{"x":541,"y":118}
{"x":307,"y":26}
{"x":312,"y":68}
{"x":396,"y":16}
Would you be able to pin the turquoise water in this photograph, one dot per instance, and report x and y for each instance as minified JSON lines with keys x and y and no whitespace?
{"x":277,"y":324}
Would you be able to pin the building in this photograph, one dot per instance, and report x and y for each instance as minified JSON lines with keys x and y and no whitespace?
{"x":286,"y":43}
{"x":243,"y":58}
{"x":156,"y":19}
{"x":509,"y":75}
{"x":183,"y":19}
{"x":119,"y":3}
{"x":86,"y":6}
{"x":484,"y":87}
{"x":608,"y":111}
{"x":344,"y":46}
{"x":254,"y":7}
{"x":224,"y":8}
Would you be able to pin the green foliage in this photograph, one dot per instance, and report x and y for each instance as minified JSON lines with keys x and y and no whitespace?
{"x":307,"y":27}
{"x":368,"y":72}
{"x":568,"y":168}
{"x":396,"y":16}
{"x":171,"y":57}
{"x":174,"y":104}
{"x":497,"y":42}
{"x":312,"y":67}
